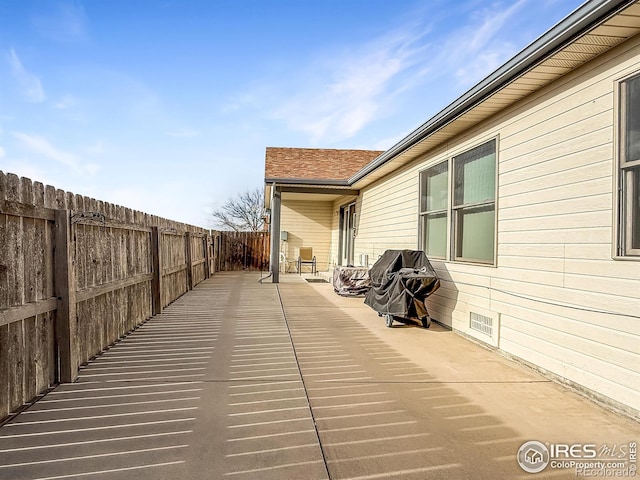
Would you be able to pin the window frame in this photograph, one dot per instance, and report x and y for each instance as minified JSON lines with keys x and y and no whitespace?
{"x":423,"y":214}
{"x":453,"y":211}
{"x":627,"y":171}
{"x":457,"y":233}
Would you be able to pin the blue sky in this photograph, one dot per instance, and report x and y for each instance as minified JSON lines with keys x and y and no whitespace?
{"x":167,"y":106}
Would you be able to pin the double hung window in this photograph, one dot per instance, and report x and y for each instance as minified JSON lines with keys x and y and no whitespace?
{"x":458,"y":211}
{"x":629,"y":171}
{"x":434,"y":207}
{"x":474,"y":204}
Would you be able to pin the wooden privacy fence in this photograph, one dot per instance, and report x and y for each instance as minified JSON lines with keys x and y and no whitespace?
{"x":235,"y":251}
{"x":76,"y":274}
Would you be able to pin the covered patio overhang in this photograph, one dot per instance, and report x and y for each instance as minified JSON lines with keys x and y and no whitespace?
{"x":278,"y":190}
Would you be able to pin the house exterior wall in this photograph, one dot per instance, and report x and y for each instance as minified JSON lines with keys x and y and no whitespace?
{"x":558,"y":299}
{"x":308,"y":225}
{"x":398,"y":226}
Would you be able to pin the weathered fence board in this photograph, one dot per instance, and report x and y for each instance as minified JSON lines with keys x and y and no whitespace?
{"x":174,"y":262}
{"x":26,"y":292}
{"x":198,"y":257}
{"x":5,"y":404}
{"x":16,"y":354}
{"x":243,"y":251}
{"x":76,"y":274}
{"x":101,"y":285}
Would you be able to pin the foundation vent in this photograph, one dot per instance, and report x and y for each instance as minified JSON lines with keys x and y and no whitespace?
{"x":481,"y":323}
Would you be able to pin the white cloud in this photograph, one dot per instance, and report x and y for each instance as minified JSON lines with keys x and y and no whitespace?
{"x":492,"y":21}
{"x":28,"y":83}
{"x":476,"y":50}
{"x":337,"y":98}
{"x":42,"y":147}
{"x":359,"y":87}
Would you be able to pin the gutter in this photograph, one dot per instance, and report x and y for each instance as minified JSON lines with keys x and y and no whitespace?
{"x":574,"y":25}
{"x":307,"y":181}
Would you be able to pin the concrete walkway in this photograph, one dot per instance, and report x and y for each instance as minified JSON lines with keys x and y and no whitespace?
{"x":245,"y":381}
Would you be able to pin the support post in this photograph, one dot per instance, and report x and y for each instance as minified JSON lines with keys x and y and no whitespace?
{"x":156,"y":267}
{"x":275,"y":235}
{"x":65,"y":288}
{"x":187,"y":239}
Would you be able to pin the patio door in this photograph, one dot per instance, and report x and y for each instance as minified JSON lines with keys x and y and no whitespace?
{"x":347,"y":233}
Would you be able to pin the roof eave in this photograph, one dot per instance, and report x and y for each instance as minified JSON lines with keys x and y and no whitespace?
{"x":307,"y":181}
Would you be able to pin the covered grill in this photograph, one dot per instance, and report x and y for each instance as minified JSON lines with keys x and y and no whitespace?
{"x":401,"y":281}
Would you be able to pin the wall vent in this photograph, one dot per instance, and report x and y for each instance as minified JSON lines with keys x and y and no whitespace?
{"x":481,"y":323}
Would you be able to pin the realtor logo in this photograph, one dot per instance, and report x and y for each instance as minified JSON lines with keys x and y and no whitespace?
{"x":533,"y":457}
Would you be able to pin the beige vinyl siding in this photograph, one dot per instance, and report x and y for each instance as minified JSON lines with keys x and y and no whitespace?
{"x":308,"y":224}
{"x":563,"y":304}
{"x":389,"y":218}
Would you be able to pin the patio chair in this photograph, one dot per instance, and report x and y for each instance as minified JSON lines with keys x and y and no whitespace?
{"x":284,"y":263}
{"x":306,"y":257}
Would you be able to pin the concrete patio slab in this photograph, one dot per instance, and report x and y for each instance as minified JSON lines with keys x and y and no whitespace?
{"x":241,"y":380}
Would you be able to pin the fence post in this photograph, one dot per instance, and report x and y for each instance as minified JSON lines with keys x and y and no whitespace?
{"x":207,"y":256}
{"x":65,"y":288}
{"x":218,"y":265}
{"x":156,"y":267}
{"x":189,"y":254}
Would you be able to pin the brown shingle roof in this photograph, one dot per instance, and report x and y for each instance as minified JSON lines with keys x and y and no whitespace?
{"x":315,"y":163}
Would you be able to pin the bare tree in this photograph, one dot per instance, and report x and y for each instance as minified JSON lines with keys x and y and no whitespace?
{"x":243,"y":213}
